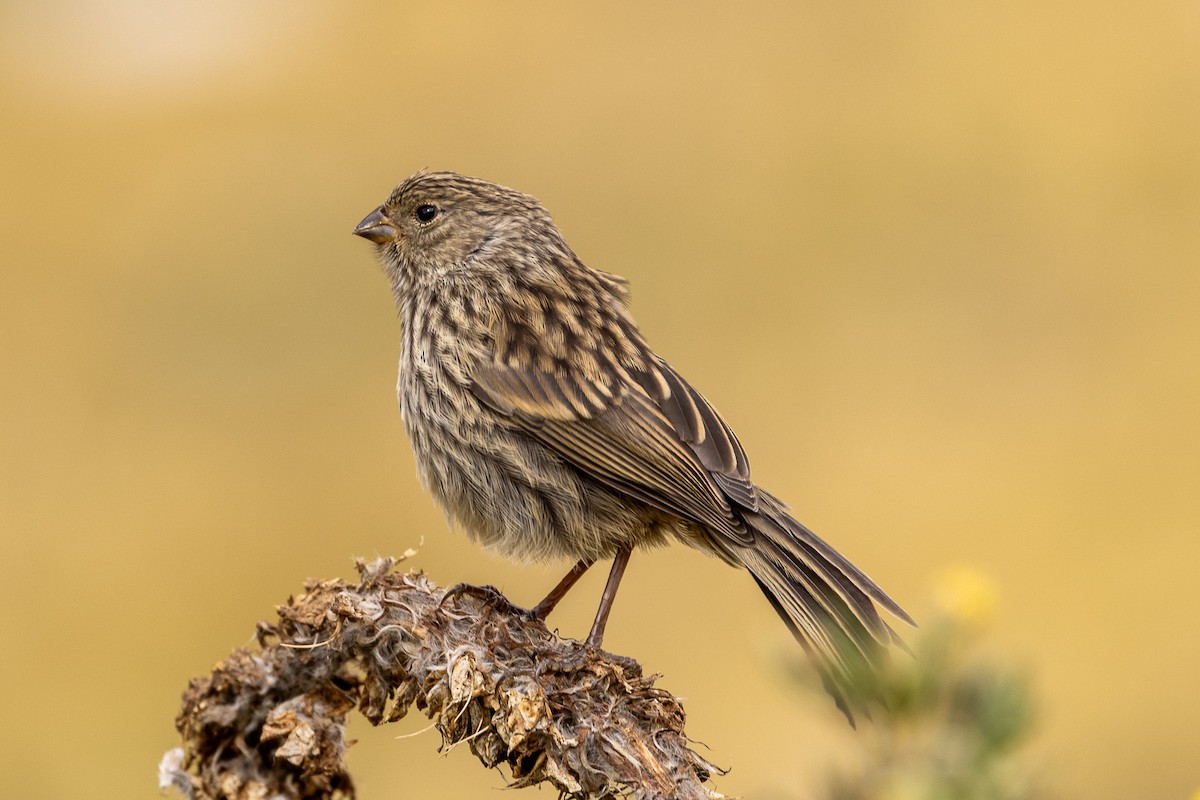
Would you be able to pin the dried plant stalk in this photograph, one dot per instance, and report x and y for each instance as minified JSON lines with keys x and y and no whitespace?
{"x":270,"y":721}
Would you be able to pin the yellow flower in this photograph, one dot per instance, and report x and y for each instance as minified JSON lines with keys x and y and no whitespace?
{"x":969,"y":598}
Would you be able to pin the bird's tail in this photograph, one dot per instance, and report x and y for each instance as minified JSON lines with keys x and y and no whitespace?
{"x":827,"y":602}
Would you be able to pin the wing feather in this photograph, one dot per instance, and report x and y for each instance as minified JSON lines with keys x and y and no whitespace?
{"x":700,"y":426}
{"x":629,"y":443}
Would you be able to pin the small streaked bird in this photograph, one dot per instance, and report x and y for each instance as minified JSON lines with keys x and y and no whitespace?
{"x":545,"y":425}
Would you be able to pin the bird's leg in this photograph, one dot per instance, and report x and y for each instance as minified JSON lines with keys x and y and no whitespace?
{"x":543,"y":609}
{"x":561,"y":662}
{"x":610,"y":593}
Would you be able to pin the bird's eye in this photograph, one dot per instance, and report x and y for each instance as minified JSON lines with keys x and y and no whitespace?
{"x":426,"y":213}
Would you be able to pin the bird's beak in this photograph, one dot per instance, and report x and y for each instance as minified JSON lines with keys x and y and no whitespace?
{"x":376,"y":227}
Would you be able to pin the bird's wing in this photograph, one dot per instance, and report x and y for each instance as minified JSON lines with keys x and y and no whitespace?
{"x":638,"y":427}
{"x":632,"y":424}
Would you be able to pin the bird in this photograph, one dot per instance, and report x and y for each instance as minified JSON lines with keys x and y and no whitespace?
{"x":545,"y":425}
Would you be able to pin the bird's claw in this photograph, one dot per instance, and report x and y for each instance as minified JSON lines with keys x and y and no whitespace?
{"x":490,"y":595}
{"x":586,"y":653}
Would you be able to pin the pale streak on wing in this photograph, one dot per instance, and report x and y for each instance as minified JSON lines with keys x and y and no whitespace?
{"x":699,"y":425}
{"x":510,"y":391}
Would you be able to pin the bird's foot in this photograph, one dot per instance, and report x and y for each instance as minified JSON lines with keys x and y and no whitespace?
{"x":584,"y":655}
{"x":492,"y":596}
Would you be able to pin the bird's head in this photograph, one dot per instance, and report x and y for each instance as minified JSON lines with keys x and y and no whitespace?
{"x":438,"y":221}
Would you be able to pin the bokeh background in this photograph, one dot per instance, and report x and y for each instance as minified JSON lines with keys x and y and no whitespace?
{"x":938,"y":263}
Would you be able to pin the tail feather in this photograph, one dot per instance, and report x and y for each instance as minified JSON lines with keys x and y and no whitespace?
{"x":778,"y":511}
{"x":792,"y":599}
{"x":827,"y":680}
{"x":827,"y":603}
{"x":823,"y":578}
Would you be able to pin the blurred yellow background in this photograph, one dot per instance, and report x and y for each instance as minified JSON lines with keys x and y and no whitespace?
{"x":937,"y":263}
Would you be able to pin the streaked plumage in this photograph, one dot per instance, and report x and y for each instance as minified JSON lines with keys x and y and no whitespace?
{"x":547,"y":427}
